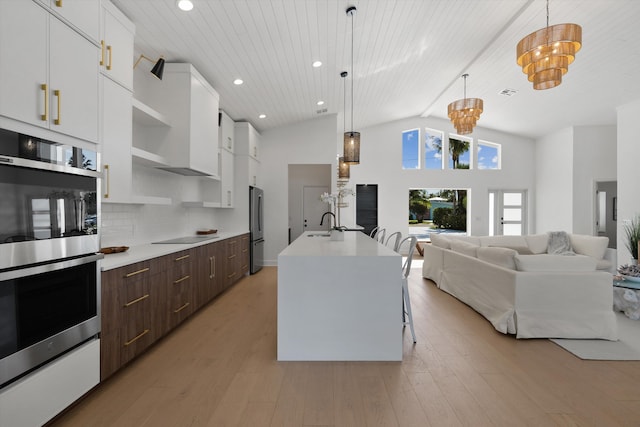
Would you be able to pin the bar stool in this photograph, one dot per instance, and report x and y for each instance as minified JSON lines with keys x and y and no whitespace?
{"x":406,"y":269}
{"x":394,"y":240}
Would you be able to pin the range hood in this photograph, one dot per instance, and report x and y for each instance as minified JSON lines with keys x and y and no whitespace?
{"x":190,"y":143}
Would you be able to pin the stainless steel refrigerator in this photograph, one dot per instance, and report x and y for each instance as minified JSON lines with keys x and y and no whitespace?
{"x":256,"y":228}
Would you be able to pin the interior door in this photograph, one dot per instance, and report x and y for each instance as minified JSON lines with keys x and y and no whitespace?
{"x":313,"y":208}
{"x":507,"y":212}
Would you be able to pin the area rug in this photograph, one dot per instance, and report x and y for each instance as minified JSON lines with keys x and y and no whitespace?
{"x":626,"y":348}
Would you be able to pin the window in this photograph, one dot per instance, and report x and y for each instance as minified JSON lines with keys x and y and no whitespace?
{"x":437,"y":210}
{"x":459,"y":152}
{"x":489,"y":155}
{"x":410,"y":149}
{"x":432,"y":149}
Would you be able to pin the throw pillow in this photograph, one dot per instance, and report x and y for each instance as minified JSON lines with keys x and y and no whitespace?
{"x":464,"y":248}
{"x":504,"y":257}
{"x":559,"y":243}
{"x":537,"y":243}
{"x":593,"y":246}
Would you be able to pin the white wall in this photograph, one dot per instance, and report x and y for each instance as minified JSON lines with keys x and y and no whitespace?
{"x":318,"y":142}
{"x":594,"y":159}
{"x":628,"y":171}
{"x":309,"y":142}
{"x":381,"y":163}
{"x":569,"y":162}
{"x":554,"y":182}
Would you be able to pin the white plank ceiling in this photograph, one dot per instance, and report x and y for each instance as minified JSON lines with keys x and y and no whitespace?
{"x":408,"y":58}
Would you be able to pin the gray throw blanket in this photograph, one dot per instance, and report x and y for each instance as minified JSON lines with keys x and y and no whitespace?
{"x":559,"y":243}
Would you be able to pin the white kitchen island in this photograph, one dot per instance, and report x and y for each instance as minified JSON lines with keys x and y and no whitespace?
{"x":339,"y":300}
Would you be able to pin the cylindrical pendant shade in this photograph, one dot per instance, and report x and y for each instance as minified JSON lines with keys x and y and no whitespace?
{"x":351,"y":148}
{"x":343,"y":169}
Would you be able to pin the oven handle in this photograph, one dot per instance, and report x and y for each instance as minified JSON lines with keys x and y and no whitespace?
{"x":45,"y":268}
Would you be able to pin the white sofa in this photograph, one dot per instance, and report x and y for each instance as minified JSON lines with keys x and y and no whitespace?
{"x":522,"y":290}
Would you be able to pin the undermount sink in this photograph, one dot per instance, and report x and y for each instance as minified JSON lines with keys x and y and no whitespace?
{"x":319,"y":235}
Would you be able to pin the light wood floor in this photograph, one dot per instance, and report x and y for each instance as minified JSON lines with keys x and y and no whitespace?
{"x":220,"y":369}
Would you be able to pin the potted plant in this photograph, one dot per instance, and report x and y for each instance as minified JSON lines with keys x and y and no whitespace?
{"x":632,"y":234}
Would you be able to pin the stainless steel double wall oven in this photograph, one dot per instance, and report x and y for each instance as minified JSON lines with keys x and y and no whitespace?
{"x":49,"y":266}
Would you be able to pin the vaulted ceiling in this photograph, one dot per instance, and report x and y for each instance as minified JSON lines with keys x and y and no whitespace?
{"x":408,"y":57}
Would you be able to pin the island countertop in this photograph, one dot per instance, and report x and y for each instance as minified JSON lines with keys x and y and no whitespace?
{"x":355,"y":243}
{"x":339,"y":300}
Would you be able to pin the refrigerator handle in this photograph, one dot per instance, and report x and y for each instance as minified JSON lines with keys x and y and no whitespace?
{"x":260,"y":213}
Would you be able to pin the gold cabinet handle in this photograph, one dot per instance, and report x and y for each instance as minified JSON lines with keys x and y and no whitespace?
{"x":182,"y":279}
{"x":231,"y":275}
{"x":244,"y":267}
{"x":137,"y":300}
{"x":231,"y":256}
{"x":137,"y":337}
{"x":101,"y":52}
{"x":212,"y":267}
{"x":182,"y":257}
{"x":45,"y":116}
{"x":178,"y":310}
{"x":136,"y":272}
{"x":110,"y":57}
{"x":108,"y":181}
{"x":57,"y":93}
{"x":59,"y":3}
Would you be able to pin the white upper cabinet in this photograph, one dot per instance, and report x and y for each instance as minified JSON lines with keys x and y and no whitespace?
{"x":226,"y":132}
{"x":116,"y":45}
{"x":50,"y":77}
{"x":247,"y":140}
{"x":81,"y":14}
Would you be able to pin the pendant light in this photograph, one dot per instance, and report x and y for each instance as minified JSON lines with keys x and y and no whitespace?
{"x":351,"y":147}
{"x":343,"y":167}
{"x":545,"y":55}
{"x":464,"y":113}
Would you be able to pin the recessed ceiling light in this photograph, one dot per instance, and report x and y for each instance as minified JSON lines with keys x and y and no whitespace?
{"x":320,"y":103}
{"x":316,"y":64}
{"x":262,"y":116}
{"x":185,"y":5}
{"x":238,"y":82}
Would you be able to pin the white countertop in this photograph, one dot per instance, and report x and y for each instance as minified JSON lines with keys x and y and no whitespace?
{"x":355,"y":243}
{"x":153,"y":250}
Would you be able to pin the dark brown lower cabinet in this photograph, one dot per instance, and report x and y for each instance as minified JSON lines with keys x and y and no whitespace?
{"x":142,"y":302}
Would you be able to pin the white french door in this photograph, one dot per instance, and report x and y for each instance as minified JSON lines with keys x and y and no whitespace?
{"x":507,"y":212}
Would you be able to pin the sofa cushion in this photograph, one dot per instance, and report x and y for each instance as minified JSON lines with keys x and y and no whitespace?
{"x":504,"y":257}
{"x":555,"y":263}
{"x":522,"y":250}
{"x":469,"y":239}
{"x":463,"y":247}
{"x":537,"y":243}
{"x":439,"y":241}
{"x":593,"y":246}
{"x":503,"y":241}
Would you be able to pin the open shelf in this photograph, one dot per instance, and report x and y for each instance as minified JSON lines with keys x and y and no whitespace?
{"x":147,"y":158}
{"x":147,"y":116}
